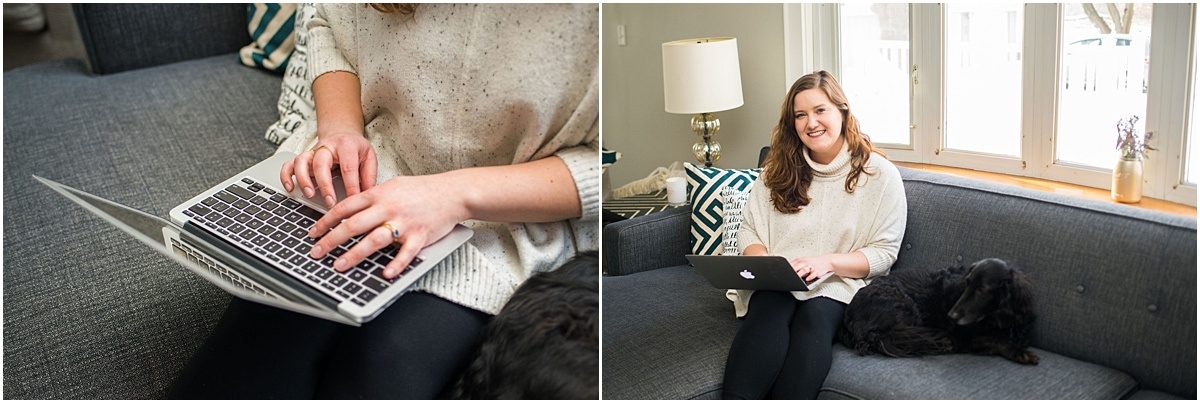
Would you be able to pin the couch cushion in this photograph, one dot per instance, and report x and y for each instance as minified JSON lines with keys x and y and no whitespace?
{"x":963,"y":376}
{"x":666,"y":335}
{"x":89,"y":313}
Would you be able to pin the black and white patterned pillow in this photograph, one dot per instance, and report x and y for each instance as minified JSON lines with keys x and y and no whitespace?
{"x":704,"y":192}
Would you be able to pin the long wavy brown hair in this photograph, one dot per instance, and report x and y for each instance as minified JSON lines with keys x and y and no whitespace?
{"x":785,"y":172}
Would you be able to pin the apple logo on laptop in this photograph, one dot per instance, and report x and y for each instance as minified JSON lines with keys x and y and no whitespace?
{"x":746,"y":274}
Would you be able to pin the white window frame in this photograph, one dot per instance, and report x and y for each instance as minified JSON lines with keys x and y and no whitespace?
{"x":811,"y":32}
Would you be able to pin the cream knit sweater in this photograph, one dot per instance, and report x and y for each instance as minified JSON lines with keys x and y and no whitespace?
{"x":871,"y":221}
{"x":463,"y":86}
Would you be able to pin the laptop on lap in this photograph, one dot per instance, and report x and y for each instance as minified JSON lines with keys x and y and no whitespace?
{"x":752,"y":273}
{"x":249,"y":237}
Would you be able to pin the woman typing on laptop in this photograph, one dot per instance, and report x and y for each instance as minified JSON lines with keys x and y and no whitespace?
{"x":830,"y":203}
{"x":434,"y":115}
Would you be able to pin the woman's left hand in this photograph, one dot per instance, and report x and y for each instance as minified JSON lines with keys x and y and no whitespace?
{"x":812,"y":267}
{"x":421,"y":210}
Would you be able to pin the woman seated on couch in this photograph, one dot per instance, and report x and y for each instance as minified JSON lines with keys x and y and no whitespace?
{"x":831,"y":203}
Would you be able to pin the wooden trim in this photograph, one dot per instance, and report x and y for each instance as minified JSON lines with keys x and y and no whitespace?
{"x":1055,"y":187}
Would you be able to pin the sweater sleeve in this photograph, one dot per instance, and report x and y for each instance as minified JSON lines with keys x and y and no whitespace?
{"x":584,"y":163}
{"x":330,"y":43}
{"x":887,"y":228}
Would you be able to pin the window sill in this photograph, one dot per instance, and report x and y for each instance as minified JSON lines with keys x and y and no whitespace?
{"x":1055,"y":187}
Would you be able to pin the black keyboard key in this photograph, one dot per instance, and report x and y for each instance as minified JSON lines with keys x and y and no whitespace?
{"x":328,"y":261}
{"x":311,"y":267}
{"x":240,"y":192}
{"x":375,"y":285}
{"x":226,"y":196}
{"x":218,"y":205}
{"x":259,"y":240}
{"x":255,"y":186}
{"x":256,"y":200}
{"x":367,"y":296}
{"x":276,"y":197}
{"x":210,"y":201}
{"x":357,"y":275}
{"x":253,"y":210}
{"x":236,"y":228}
{"x":272,"y":247}
{"x":292,"y":204}
{"x":242,"y":218}
{"x":324,"y":273}
{"x":248,"y":233}
{"x":288,"y":227}
{"x":338,"y":251}
{"x":224,"y":222}
{"x":247,"y":181}
{"x":305,"y":223}
{"x":309,"y":212}
{"x":265,"y":230}
{"x":285,"y":253}
{"x":277,"y":236}
{"x":270,"y":206}
{"x":275,"y":221}
{"x":342,"y":294}
{"x":338,"y":281}
{"x":263,"y":215}
{"x":352,"y":288}
{"x":304,"y":248}
{"x":200,"y":210}
{"x":254,"y":223}
{"x":240,"y":204}
{"x":327,"y":286}
{"x":383,"y":260}
{"x":290,"y":242}
{"x":297,"y":260}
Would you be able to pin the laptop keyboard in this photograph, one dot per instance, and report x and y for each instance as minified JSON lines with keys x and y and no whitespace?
{"x":270,"y":225}
{"x":230,"y":276}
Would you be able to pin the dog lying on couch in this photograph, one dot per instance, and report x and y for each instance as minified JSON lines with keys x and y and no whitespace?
{"x":985,"y":308}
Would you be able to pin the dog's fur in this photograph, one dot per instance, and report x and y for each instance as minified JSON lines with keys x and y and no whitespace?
{"x":545,"y":342}
{"x":985,"y":308}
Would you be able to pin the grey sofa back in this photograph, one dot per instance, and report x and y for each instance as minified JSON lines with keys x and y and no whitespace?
{"x":1115,"y":285}
{"x":120,"y":37}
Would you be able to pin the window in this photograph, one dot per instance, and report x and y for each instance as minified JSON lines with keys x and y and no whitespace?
{"x":978,"y":86}
{"x":1104,"y":64}
{"x":874,"y":68}
{"x":983,"y":80}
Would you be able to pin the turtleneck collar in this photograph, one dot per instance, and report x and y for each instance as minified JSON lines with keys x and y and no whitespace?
{"x":840,"y":165}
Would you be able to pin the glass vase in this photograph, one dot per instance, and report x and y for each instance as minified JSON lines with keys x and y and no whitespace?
{"x":1127,"y":179}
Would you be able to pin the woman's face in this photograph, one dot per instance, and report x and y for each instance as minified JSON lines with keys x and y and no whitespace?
{"x":819,"y":124}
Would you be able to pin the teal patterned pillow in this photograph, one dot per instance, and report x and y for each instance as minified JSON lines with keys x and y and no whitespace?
{"x":270,"y":26}
{"x":704,"y":192}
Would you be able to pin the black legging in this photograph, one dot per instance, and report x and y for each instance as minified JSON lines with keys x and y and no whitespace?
{"x":414,"y":350}
{"x":784,"y":348}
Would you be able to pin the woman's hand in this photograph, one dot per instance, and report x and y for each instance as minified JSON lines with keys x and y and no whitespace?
{"x":421,"y":209}
{"x":351,"y":152}
{"x":812,"y":268}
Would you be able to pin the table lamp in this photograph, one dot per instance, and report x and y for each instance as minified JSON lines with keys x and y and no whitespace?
{"x":701,"y":76}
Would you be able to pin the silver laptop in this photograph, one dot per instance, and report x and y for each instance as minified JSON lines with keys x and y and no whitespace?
{"x":752,"y":273}
{"x":249,"y":237}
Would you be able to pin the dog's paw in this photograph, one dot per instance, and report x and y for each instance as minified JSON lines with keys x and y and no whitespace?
{"x":1027,"y":357}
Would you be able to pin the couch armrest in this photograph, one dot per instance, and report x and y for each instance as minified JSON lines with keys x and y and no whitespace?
{"x":120,"y":37}
{"x":648,"y":242}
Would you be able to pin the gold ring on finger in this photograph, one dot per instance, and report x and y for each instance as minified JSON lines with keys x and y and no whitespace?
{"x":319,"y":149}
{"x":395,"y":233}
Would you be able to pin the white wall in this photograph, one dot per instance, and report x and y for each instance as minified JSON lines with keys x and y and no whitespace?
{"x":634,"y":122}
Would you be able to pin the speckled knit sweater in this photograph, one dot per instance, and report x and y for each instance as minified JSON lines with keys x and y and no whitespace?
{"x":871,"y":220}
{"x":460,"y":86}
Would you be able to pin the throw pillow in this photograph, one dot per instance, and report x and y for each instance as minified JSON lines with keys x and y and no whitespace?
{"x":296,"y":109}
{"x":704,"y":192}
{"x":270,"y":26}
{"x":734,"y":200}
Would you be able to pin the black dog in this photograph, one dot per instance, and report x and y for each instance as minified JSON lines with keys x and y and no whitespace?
{"x":545,"y":343}
{"x":985,"y":308}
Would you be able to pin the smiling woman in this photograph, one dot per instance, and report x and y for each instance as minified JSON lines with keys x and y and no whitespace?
{"x":831,"y":205}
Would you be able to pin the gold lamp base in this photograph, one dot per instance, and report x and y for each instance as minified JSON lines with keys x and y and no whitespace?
{"x":706,"y":126}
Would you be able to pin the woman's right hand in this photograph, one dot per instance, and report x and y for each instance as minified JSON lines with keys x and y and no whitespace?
{"x":313,"y":169}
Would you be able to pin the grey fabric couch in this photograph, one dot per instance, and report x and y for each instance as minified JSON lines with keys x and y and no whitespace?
{"x":1115,"y":297}
{"x":89,"y":313}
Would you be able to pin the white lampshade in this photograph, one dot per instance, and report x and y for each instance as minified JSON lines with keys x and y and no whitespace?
{"x":701,"y":75}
